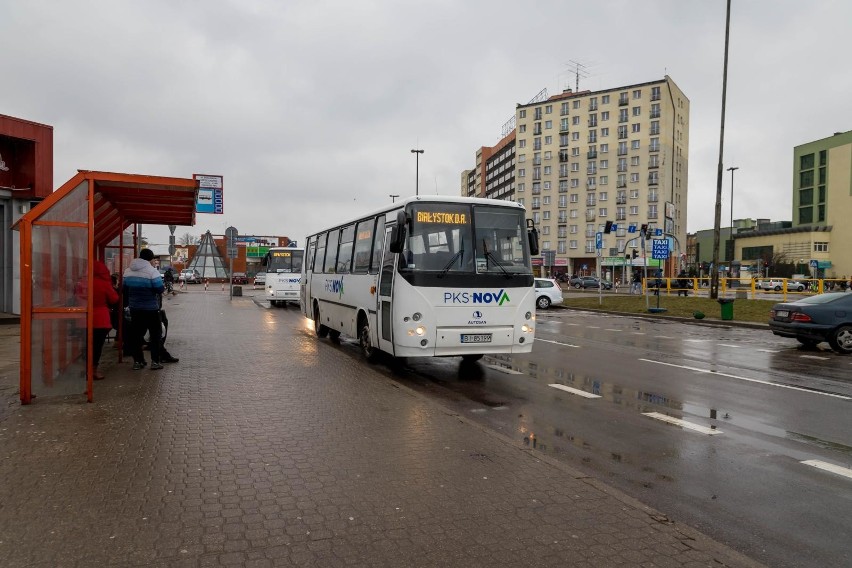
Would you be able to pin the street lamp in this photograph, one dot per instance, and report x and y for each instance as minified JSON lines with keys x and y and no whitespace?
{"x":393,"y":197}
{"x":417,"y":171}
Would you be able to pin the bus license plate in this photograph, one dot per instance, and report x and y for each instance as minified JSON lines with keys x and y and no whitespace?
{"x":476,"y":338}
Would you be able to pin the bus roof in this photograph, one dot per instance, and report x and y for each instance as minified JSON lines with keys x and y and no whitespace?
{"x":424,"y":199}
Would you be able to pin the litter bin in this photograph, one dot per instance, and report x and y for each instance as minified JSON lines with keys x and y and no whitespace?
{"x":238,"y":290}
{"x":727,"y":305}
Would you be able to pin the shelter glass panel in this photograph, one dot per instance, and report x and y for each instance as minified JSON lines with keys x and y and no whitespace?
{"x":58,"y":354}
{"x":59,"y":265}
{"x":73,"y":208}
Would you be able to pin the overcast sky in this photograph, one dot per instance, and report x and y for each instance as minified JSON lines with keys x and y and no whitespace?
{"x":309,"y":109}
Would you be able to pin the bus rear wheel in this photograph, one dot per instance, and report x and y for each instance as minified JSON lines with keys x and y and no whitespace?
{"x":365,"y":340}
{"x":319,"y":328}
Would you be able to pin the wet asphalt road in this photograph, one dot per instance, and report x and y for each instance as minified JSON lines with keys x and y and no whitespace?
{"x":767,"y":405}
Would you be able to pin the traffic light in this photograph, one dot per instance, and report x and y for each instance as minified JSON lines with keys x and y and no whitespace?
{"x":635,"y":253}
{"x":608,"y":227}
{"x":643,"y":229}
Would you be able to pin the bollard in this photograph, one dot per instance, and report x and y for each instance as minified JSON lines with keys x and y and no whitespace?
{"x":223,"y":286}
{"x":206,"y":282}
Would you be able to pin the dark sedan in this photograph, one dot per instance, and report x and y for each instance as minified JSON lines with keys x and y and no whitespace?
{"x":589,"y":282}
{"x":812,"y":320}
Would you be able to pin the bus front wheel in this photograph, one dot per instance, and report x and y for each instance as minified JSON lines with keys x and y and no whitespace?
{"x":365,"y":340}
{"x":319,"y":328}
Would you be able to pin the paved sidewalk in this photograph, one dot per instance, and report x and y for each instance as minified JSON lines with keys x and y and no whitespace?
{"x":267,"y":447}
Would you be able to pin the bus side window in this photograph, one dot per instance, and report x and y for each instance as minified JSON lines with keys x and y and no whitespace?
{"x":310,"y":249}
{"x":319,"y":259}
{"x":363,"y":242}
{"x":344,"y":257}
{"x":331,"y":252}
{"x":378,"y":241}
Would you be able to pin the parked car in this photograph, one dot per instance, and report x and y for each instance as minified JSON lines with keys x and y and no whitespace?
{"x":812,"y":320}
{"x":260,"y":279}
{"x":589,"y":282}
{"x":777,"y":284}
{"x":239,"y":278}
{"x":547,"y":292}
{"x":190,"y":276}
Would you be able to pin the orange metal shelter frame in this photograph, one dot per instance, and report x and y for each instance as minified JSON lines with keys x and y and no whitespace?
{"x":60,"y":239}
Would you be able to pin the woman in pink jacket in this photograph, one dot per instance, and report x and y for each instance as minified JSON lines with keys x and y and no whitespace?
{"x":104,"y":296}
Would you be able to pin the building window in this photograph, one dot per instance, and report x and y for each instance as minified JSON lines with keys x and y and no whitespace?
{"x":522,"y":143}
{"x":806,"y":215}
{"x":563,"y":109}
{"x":637,"y":94}
{"x":604,"y":132}
{"x":605,"y":147}
{"x":522,"y":172}
{"x":575,"y":198}
{"x":575,"y":136}
{"x":634,"y":144}
{"x":522,"y":113}
{"x":548,"y":140}
{"x":635,"y":127}
{"x":820,"y":247}
{"x":634,"y":160}
{"x":546,"y":184}
{"x":548,"y":109}
{"x":637,"y":111}
{"x":806,"y":179}
{"x":655,"y":93}
{"x":604,"y":180}
{"x":605,"y":100}
{"x":546,"y":215}
{"x":576,"y":104}
{"x":522,"y":187}
{"x":604,"y":115}
{"x":522,"y":158}
{"x":806,"y":196}
{"x":522,"y":128}
{"x":547,"y":170}
{"x":820,"y":213}
{"x":822,"y":157}
{"x":806,"y":162}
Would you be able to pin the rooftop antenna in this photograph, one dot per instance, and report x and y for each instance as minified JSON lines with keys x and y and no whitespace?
{"x":579,"y":71}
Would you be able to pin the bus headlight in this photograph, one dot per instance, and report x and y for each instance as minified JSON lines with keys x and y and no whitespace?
{"x":527,"y":328}
{"x":420,"y":330}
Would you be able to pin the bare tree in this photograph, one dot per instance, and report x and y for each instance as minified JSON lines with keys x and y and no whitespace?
{"x":188,"y":239}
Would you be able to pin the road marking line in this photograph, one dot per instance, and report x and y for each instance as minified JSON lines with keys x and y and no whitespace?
{"x":696,"y":340}
{"x":504,"y":370}
{"x":817,"y":357}
{"x":682,"y":423}
{"x":844,"y":471}
{"x":578,"y":392}
{"x":592,"y":327}
{"x":638,"y":333}
{"x":557,"y":342}
{"x":730,"y":345}
{"x":611,"y":329}
{"x":664,"y":337}
{"x":768,"y":351}
{"x":811,"y":391}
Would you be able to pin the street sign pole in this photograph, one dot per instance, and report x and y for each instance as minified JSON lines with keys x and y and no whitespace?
{"x":231,"y":237}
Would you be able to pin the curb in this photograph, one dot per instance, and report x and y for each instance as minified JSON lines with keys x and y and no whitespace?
{"x":713,"y":322}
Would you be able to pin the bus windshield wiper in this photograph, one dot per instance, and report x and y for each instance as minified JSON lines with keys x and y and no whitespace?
{"x":488,"y":255}
{"x":446,"y":268}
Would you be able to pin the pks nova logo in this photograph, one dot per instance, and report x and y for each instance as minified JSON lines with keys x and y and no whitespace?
{"x":476,"y":297}
{"x":335,"y":286}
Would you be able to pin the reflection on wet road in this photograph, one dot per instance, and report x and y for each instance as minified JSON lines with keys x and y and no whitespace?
{"x":725,"y":429}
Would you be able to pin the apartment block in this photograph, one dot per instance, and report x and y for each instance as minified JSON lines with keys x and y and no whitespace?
{"x":578,"y":160}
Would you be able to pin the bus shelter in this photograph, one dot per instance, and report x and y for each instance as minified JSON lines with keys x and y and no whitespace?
{"x":86,"y":219}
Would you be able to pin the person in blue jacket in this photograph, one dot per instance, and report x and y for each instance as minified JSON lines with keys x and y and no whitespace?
{"x":143,"y":287}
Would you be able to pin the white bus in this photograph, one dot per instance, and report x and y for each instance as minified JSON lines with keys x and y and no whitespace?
{"x":428,"y":276}
{"x":283,"y":274}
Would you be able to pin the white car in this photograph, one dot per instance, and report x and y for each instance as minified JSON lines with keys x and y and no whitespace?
{"x":777,"y":284}
{"x":259,"y":279}
{"x":547,"y":292}
{"x":190,"y":276}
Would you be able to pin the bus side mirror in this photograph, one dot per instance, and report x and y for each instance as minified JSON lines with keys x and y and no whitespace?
{"x":532,"y":236}
{"x":398,"y":233}
{"x":265,"y":260}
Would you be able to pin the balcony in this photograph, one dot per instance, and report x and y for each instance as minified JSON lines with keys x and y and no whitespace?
{"x":653,"y":198}
{"x":653,"y":164}
{"x":591,"y":171}
{"x":622,"y":135}
{"x":536,"y":190}
{"x":537,"y":130}
{"x":592,"y":154}
{"x":621,"y":184}
{"x":536,"y":161}
{"x":623,"y":101}
{"x":621,"y":152}
{"x":621,"y":168}
{"x":593,"y":106}
{"x":653,"y":180}
{"x":620,"y":217}
{"x":563,"y":128}
{"x":654,"y":148}
{"x":537,"y":116}
{"x":593,"y":138}
{"x":655,"y":114}
{"x":655,"y":97}
{"x":590,"y":249}
{"x":655,"y":132}
{"x":590,"y":216}
{"x":621,"y":201}
{"x":590,"y":203}
{"x":652,"y":214}
{"x":593,"y":123}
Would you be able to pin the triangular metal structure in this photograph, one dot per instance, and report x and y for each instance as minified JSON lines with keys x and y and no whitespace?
{"x":207,"y":259}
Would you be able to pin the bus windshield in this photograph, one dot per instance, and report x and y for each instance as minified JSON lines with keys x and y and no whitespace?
{"x":284,"y":260}
{"x":459,"y":238}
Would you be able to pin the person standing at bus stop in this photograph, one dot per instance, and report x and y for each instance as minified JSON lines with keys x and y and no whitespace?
{"x":143,"y":286}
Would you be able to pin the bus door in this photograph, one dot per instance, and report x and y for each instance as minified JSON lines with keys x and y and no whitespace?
{"x":305,"y":296}
{"x":385,"y":296}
